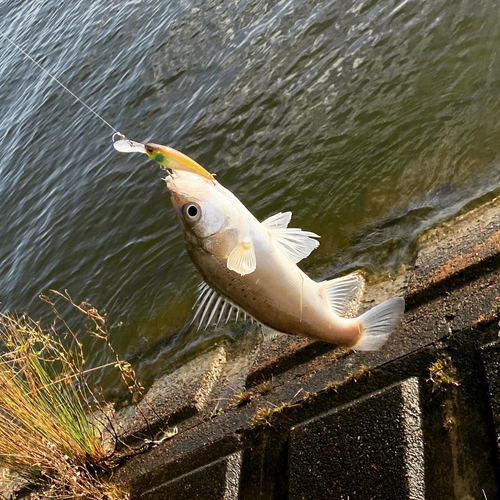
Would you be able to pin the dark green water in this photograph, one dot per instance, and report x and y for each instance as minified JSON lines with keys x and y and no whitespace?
{"x":370,"y":120}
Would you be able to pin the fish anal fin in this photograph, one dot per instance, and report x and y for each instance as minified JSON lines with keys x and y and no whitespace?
{"x":211,"y":308}
{"x":344,"y":293}
{"x":270,"y":334}
{"x":242,"y":258}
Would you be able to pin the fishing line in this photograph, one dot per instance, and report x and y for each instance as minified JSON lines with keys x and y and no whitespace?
{"x":63,"y":86}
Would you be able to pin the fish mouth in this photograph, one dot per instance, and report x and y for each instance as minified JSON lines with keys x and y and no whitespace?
{"x":178,"y":200}
{"x":179,"y":191}
{"x":169,"y":180}
{"x":189,"y":185}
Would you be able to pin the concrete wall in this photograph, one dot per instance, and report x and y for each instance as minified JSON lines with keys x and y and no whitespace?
{"x":419,"y":419}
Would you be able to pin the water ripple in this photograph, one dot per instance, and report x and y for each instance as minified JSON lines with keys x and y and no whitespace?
{"x":371,"y":121}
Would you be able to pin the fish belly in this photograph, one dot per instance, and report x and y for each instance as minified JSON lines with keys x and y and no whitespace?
{"x":278,"y":295}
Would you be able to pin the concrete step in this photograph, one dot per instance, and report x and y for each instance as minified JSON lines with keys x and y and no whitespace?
{"x":370,"y":448}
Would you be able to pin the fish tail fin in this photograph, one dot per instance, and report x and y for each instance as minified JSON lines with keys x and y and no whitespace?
{"x":344,"y":293}
{"x":378,"y":323}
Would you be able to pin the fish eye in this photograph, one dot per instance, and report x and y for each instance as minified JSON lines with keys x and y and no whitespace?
{"x":192,"y":212}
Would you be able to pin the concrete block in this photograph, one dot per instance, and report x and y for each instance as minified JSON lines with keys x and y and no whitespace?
{"x":280,"y":352}
{"x":216,"y":481}
{"x":456,"y":249}
{"x":174,"y":397}
{"x":490,"y":355}
{"x":369,"y":449}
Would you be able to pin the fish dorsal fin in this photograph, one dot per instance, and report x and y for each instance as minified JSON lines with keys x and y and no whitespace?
{"x":279,"y":220}
{"x":295,"y":243}
{"x":242,"y":259}
{"x":344,"y":293}
{"x":212,"y":308}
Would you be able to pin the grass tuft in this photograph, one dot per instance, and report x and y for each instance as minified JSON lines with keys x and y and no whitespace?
{"x":442,"y":374}
{"x":333,"y":385}
{"x":50,"y":431}
{"x":357,"y":374}
{"x":340,"y":353}
{"x":354,"y":376}
{"x":264,"y":415}
{"x":265,"y":388}
{"x":309,"y":397}
{"x":243,"y":398}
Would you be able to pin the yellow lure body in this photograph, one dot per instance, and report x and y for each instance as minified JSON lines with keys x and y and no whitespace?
{"x":175,"y":160}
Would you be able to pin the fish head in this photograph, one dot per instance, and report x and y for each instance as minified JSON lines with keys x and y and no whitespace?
{"x":204,"y":207}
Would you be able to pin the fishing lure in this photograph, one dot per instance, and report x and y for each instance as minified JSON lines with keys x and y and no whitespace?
{"x":166,"y":156}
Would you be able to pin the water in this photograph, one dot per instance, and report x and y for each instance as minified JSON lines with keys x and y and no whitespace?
{"x":370,"y":120}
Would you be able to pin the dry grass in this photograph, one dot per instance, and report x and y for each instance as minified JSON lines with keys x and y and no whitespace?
{"x":50,"y":433}
{"x":354,"y":376}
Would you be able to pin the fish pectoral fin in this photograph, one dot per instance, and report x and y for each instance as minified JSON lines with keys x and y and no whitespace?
{"x":344,"y":293}
{"x":293,"y":242}
{"x":242,"y":258}
{"x":279,"y":220}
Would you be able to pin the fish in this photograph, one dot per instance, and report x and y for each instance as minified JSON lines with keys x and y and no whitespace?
{"x":250,"y":268}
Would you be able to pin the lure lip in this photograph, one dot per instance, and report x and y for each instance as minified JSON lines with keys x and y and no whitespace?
{"x":175,"y":160}
{"x":128,"y":146}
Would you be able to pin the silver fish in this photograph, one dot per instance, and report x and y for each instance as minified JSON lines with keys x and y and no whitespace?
{"x":251,"y":267}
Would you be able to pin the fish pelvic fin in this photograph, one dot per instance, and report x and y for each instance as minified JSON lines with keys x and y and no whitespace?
{"x":293,"y":242}
{"x":378,"y":323}
{"x":344,"y":293}
{"x":242,"y":258}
